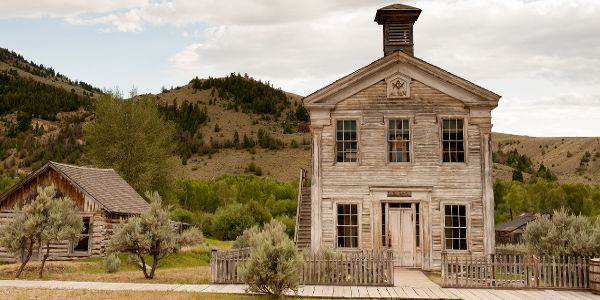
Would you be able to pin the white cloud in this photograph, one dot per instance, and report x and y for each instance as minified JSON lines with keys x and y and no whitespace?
{"x":542,"y":56}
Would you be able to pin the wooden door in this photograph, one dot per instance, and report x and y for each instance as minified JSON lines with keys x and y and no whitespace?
{"x":402,"y":229}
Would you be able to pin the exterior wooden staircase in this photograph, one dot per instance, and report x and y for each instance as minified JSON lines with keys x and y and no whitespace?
{"x":303,"y":213}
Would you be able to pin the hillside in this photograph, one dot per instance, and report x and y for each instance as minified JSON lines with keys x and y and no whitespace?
{"x":42,"y":114}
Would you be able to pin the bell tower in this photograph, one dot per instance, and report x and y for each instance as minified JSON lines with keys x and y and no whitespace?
{"x":397,"y":21}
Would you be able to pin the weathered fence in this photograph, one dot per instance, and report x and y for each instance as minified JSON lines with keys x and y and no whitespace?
{"x":358,"y":268}
{"x":225,"y":265}
{"x":355,"y":268}
{"x":515,"y":271}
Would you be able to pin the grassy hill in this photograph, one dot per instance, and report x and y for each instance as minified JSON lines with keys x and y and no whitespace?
{"x":208,"y":113}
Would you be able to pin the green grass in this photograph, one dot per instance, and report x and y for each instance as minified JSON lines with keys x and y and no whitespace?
{"x":219,"y":244}
{"x":191,"y":258}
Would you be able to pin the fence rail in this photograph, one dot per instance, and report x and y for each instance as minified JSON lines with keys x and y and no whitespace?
{"x":515,"y":271}
{"x":357,"y":268}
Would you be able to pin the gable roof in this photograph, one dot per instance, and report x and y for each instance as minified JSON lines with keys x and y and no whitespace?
{"x":105,"y":186}
{"x":516,"y":223}
{"x":400,"y":62}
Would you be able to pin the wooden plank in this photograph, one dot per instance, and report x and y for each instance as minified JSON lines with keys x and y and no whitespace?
{"x":410,"y":292}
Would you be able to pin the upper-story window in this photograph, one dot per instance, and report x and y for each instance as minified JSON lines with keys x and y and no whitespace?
{"x":346,"y":141}
{"x":453,"y":141}
{"x":399,"y":141}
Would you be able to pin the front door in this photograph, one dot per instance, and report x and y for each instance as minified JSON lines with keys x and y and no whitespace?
{"x":402,"y":229}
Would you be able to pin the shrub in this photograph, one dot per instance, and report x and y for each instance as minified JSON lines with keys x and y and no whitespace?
{"x":274,"y":262}
{"x":563,"y":234}
{"x":243,"y":241}
{"x":181,"y":215}
{"x":230,"y":221}
{"x":112,"y":263}
{"x":290,"y":224}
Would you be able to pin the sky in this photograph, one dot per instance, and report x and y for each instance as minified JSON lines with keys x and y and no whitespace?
{"x":541,"y":56}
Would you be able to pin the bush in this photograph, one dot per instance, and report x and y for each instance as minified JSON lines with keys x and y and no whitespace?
{"x":230,"y":221}
{"x":274,"y":262}
{"x":290,"y":224}
{"x":112,"y":263}
{"x":563,"y":234}
{"x":243,"y":241}
{"x":182,"y":215}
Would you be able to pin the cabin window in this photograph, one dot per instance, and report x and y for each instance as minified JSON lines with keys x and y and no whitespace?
{"x":399,"y":141}
{"x":455,"y":227}
{"x":347,"y":225}
{"x":84,"y":243}
{"x":346,"y":141}
{"x":453,"y":141}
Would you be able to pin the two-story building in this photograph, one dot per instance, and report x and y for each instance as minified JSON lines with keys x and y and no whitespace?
{"x":401,"y":156}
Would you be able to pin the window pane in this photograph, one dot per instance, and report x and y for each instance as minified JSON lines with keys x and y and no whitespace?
{"x":398,"y":140}
{"x":453,"y":144}
{"x":346,"y":137}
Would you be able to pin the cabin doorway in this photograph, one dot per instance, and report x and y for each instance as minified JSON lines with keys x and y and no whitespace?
{"x":403,"y":235}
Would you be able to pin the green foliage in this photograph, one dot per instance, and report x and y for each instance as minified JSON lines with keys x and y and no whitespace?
{"x":289,"y":222}
{"x":517,"y":176}
{"x":112,"y":263}
{"x":230,"y":221}
{"x":253,"y":168}
{"x":265,"y":140}
{"x":187,"y":116}
{"x":274,"y":262}
{"x":302,"y":113}
{"x":131,"y":137}
{"x":35,"y":98}
{"x":249,"y":94}
{"x":182,"y":215}
{"x":544,"y":197}
{"x":151,"y":234}
{"x":47,"y":219}
{"x":196,"y":83}
{"x":243,"y":240}
{"x":545,"y":174}
{"x":6,"y":182}
{"x":563,"y":234}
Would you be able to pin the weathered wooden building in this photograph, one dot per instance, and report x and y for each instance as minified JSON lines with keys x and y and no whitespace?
{"x":401,"y":157}
{"x":103,"y":197}
{"x":511,"y":231}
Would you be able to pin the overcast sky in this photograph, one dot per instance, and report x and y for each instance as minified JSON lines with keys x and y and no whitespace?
{"x":543,"y":56}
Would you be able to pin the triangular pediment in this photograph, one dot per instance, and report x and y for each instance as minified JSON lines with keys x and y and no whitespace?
{"x":397,"y":70}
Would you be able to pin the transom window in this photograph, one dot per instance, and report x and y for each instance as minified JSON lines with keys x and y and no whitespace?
{"x":455,"y":227}
{"x":346,"y":141}
{"x":453,"y":141}
{"x":398,"y":141}
{"x":347,"y":225}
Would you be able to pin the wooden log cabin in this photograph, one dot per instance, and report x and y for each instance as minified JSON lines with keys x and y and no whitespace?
{"x":103,"y":197}
{"x":401,"y":157}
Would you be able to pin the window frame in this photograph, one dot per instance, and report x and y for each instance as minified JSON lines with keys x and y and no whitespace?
{"x":90,"y":235}
{"x":467,"y":226}
{"x":410,"y":142}
{"x":358,"y":225}
{"x":335,"y":140}
{"x":440,"y":121}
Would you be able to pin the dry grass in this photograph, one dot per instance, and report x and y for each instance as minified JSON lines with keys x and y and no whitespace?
{"x":51,"y":294}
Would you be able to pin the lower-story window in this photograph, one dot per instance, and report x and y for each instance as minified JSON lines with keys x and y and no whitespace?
{"x":347,"y":225}
{"x":455,"y":227}
{"x":84,"y":243}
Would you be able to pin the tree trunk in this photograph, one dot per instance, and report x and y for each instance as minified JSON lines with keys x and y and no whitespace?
{"x":44,"y":258}
{"x":154,"y":264}
{"x":143,"y":266}
{"x":24,"y":262}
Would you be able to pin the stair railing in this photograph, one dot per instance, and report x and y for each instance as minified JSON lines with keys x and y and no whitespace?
{"x":300,"y":187}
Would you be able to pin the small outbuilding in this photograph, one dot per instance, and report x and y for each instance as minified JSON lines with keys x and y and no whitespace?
{"x":103,"y":197}
{"x":511,"y":232}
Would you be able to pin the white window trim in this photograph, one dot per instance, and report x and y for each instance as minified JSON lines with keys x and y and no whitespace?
{"x":440,"y":122}
{"x":411,"y":156}
{"x":467,"y":206}
{"x":358,"y":150}
{"x":359,"y":212}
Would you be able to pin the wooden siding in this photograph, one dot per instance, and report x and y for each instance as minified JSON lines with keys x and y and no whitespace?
{"x":102,"y":223}
{"x":451,"y":183}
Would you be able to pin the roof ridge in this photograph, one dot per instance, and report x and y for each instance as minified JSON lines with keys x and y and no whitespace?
{"x":81,"y":167}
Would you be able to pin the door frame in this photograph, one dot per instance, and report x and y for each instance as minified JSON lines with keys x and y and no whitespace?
{"x":412,"y":194}
{"x":416,"y":251}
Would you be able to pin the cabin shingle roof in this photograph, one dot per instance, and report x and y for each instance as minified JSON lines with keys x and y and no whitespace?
{"x":104,"y":186}
{"x":516,"y":223}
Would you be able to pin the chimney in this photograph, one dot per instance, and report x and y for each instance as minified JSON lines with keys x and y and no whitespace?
{"x":397,"y":21}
